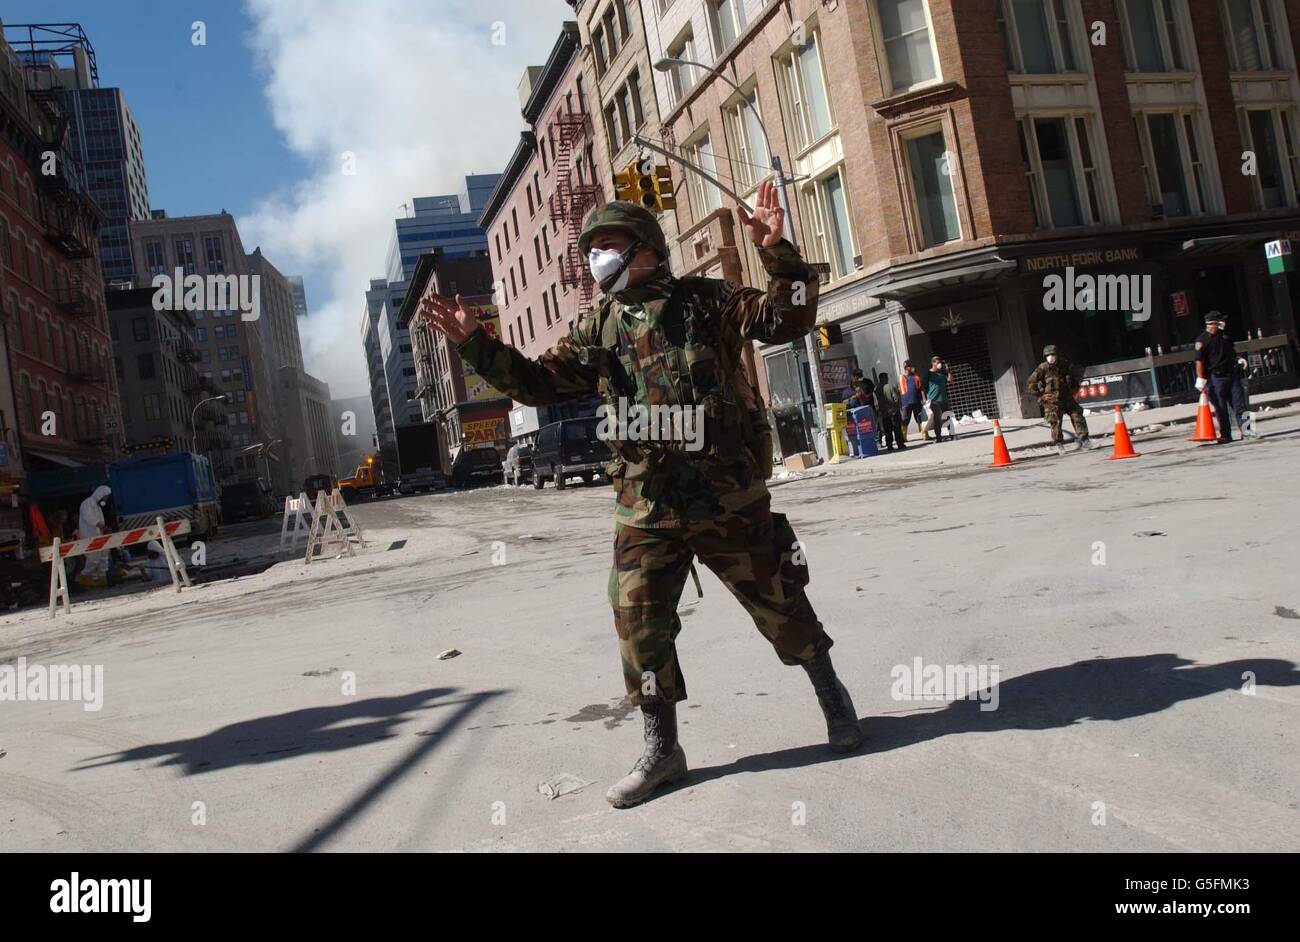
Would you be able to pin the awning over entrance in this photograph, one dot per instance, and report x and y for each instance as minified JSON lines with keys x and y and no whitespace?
{"x":918,"y":278}
{"x":52,"y":459}
{"x":1215,"y":245}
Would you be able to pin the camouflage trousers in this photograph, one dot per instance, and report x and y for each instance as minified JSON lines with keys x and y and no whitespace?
{"x":1054,"y":408}
{"x":753,"y":551}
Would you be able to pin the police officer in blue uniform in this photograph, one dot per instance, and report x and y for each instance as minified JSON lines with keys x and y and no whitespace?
{"x":1218,"y":375}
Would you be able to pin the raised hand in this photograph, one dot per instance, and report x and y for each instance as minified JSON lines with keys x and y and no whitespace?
{"x":454,"y":321}
{"x":766,"y":225}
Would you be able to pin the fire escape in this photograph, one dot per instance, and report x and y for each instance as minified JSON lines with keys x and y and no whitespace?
{"x":570,"y":202}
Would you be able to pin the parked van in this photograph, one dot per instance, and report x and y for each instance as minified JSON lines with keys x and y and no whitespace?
{"x":567,"y":449}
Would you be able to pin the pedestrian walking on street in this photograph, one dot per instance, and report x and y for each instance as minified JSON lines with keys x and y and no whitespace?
{"x":1054,"y":383}
{"x":910,"y":397}
{"x":1218,"y":374}
{"x":936,"y":393}
{"x":657,"y":339}
{"x":887,"y":409}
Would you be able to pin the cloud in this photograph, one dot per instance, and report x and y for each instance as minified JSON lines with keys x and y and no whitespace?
{"x":420,"y":95}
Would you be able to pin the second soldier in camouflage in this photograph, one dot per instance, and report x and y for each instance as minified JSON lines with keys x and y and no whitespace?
{"x":656,"y":340}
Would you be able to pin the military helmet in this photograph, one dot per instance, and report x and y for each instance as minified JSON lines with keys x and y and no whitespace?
{"x":636,"y":221}
{"x":1049,"y":350}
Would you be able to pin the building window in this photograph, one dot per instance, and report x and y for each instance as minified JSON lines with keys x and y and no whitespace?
{"x":598,"y":45}
{"x":1171,"y":164}
{"x":523,"y":273}
{"x":705,"y":197}
{"x":745,"y":142}
{"x":152,"y":406}
{"x":1062,"y":171}
{"x":546,"y":244}
{"x":215,"y":256}
{"x":827,"y":211}
{"x":681,"y":78}
{"x":185,"y":255}
{"x":1037,"y":36}
{"x":611,"y":128}
{"x":934,"y":201}
{"x":546,"y":307}
{"x":1252,"y":35}
{"x":727,"y":20}
{"x":905,"y":34}
{"x":153,"y":252}
{"x":1152,"y":37}
{"x":804,"y":91}
{"x":144,"y":366}
{"x":531,"y":334}
{"x":1270,"y":135}
{"x":532,"y":210}
{"x":537,"y":250}
{"x":140,"y":328}
{"x":634,"y":93}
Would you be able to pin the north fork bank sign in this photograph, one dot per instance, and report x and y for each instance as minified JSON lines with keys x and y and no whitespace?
{"x":1084,"y":258}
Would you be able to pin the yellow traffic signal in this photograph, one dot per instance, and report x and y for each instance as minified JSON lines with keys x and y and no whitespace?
{"x":643,"y":183}
{"x":663,"y":186}
{"x":625,"y":184}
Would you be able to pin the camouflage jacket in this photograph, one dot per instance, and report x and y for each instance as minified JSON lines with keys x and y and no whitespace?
{"x":633,"y":348}
{"x":1057,"y":380}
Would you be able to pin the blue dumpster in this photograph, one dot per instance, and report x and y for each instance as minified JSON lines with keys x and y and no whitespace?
{"x":861,"y":432}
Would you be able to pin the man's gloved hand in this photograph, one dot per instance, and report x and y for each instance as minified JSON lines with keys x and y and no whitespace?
{"x":1201,"y":383}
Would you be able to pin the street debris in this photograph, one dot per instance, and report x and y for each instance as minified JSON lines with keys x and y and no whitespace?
{"x":448,"y":654}
{"x":560,"y":785}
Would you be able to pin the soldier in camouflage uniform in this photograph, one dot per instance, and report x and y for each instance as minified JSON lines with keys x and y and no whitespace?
{"x":1055,"y":383}
{"x":656,"y":340}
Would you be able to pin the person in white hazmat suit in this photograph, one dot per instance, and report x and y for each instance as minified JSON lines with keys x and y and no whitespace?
{"x":90,"y":523}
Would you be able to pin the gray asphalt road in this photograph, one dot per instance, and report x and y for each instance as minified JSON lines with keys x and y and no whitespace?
{"x":1142,"y":616}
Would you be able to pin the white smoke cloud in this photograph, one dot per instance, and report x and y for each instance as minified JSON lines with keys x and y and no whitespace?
{"x":419,"y":94}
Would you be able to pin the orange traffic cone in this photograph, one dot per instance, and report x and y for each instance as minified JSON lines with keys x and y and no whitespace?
{"x":1001,"y":457}
{"x":1123,"y":444}
{"x":1204,"y":422}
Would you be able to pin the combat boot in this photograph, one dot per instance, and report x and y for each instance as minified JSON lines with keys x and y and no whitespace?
{"x":662,"y":762}
{"x":841,"y":719}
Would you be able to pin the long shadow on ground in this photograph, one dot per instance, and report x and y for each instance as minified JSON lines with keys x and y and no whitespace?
{"x":1102,"y":689}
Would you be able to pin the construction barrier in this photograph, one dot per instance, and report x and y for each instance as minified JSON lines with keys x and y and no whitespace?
{"x":299,"y":510}
{"x":328,"y":525}
{"x":160,"y":530}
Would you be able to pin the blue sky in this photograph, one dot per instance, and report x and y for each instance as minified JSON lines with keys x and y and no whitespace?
{"x":256,"y":120}
{"x":183,"y":96}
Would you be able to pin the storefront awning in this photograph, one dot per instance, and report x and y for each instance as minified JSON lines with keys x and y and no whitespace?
{"x":1215,"y":245}
{"x":908,"y":281}
{"x":53,"y":459}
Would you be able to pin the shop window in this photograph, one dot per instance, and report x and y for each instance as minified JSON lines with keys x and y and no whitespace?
{"x":1038,"y":36}
{"x":934,"y":202}
{"x":1152,"y":35}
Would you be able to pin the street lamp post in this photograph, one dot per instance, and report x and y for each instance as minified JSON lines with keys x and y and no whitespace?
{"x":666,"y":64}
{"x":194,"y":429}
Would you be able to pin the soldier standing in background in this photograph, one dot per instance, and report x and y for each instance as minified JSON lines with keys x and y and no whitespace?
{"x":660,"y":340}
{"x":1055,"y":383}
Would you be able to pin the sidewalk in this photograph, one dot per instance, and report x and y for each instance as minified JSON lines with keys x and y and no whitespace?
{"x":975,"y":442}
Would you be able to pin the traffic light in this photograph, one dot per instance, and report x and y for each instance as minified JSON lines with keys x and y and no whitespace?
{"x":663,"y":183}
{"x":643,"y":186}
{"x":830,"y":334}
{"x":625,"y":184}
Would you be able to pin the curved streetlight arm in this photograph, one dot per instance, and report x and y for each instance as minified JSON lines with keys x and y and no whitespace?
{"x":663,"y":64}
{"x":194,"y":439}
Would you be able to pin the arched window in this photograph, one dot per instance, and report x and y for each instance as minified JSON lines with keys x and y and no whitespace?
{"x":47,"y":339}
{"x":29,"y":329}
{"x":65,"y":431}
{"x":43,"y":404}
{"x":58,"y":346}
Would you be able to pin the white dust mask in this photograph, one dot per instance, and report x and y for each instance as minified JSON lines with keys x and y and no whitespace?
{"x":610,"y":267}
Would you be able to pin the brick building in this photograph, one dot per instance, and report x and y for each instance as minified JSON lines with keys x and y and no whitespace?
{"x":555,"y":177}
{"x":55,"y":318}
{"x":950,"y":156}
{"x":468,"y":410}
{"x":154,"y":358}
{"x":231,"y":350}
